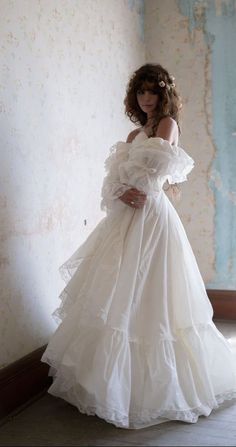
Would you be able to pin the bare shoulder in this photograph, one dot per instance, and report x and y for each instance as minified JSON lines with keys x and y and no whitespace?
{"x":168,"y":129}
{"x":132,"y":135}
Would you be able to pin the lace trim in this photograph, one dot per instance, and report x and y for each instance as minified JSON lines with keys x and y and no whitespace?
{"x":145,"y":418}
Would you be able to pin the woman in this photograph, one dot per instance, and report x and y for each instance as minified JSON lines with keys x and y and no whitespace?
{"x":137,"y":345}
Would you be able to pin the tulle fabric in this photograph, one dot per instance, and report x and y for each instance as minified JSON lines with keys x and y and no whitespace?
{"x":136,"y":343}
{"x":146,"y":164}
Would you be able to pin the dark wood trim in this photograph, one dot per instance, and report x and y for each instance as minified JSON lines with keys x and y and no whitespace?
{"x":22,"y":380}
{"x":28,"y":376}
{"x":223,"y":303}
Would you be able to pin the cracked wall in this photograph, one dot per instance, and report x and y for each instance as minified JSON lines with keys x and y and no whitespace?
{"x":195,"y":41}
{"x":216,"y":21}
{"x":65,"y":65}
{"x":64,"y":69}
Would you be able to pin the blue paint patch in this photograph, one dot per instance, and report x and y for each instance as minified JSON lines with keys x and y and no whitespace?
{"x":139,"y":7}
{"x":187,"y":9}
{"x":219,"y":27}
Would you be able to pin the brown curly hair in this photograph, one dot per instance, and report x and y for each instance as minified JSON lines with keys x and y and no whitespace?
{"x":169,"y":103}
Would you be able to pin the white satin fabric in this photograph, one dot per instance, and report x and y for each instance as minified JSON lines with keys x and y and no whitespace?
{"x":136,"y":343}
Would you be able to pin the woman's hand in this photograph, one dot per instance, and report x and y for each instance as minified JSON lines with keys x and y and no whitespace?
{"x":134,"y":198}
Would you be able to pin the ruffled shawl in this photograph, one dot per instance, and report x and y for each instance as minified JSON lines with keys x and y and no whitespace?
{"x":145,"y":164}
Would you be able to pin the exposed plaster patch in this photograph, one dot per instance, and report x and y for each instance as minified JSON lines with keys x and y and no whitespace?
{"x":49,"y":220}
{"x":217,"y":21}
{"x":139,"y":7}
{"x":218,"y":4}
{"x":218,"y":182}
{"x":194,"y":13}
{"x":207,"y":98}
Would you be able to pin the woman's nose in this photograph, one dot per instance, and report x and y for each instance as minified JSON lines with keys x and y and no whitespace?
{"x":146,"y":95}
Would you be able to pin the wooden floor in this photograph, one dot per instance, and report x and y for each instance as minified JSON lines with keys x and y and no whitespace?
{"x":49,"y":421}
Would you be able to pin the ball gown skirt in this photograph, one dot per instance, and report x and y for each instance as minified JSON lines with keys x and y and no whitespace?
{"x":136,"y":344}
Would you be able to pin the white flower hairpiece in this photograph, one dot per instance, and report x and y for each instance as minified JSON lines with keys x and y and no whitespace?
{"x":168,"y":86}
{"x":172,"y":78}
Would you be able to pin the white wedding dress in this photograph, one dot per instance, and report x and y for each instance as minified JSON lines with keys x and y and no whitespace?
{"x":136,"y":344}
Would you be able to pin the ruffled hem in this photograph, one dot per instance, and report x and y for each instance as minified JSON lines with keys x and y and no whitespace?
{"x":135,"y":383}
{"x":136,"y":372}
{"x":67,"y":271}
{"x":77,"y":268}
{"x":147,"y":418}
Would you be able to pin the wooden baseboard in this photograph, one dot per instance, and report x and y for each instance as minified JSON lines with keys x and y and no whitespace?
{"x":27,"y":377}
{"x":223,"y":303}
{"x":22,"y":380}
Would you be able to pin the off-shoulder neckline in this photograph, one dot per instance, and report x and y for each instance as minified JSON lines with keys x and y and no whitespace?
{"x":141,"y":130}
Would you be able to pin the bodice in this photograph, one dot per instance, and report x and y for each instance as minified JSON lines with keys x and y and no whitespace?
{"x":146,"y":164}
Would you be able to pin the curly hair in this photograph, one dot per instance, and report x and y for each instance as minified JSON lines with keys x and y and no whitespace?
{"x":169,"y":104}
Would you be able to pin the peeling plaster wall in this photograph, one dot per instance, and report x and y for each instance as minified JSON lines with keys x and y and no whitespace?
{"x":63,"y":74}
{"x":194,"y":40}
{"x":217,"y":21}
{"x":64,"y":68}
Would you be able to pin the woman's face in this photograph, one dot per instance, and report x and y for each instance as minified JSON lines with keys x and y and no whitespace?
{"x":147,"y":98}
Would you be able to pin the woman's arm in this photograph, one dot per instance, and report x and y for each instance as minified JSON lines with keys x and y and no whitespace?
{"x":167,"y":129}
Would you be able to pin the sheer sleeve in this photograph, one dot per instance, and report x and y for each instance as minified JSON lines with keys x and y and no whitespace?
{"x":144,"y":164}
{"x":152,"y":162}
{"x":112,"y":187}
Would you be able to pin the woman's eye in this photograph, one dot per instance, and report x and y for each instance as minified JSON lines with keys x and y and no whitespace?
{"x":141,"y":92}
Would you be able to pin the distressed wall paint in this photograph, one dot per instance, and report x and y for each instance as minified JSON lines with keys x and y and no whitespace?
{"x":217,"y":20}
{"x":65,"y":65}
{"x":169,"y":42}
{"x":139,"y":7}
